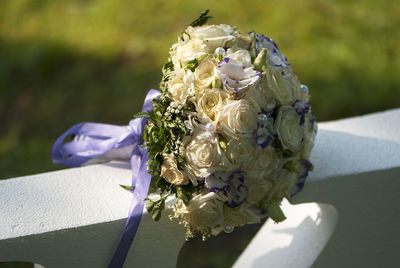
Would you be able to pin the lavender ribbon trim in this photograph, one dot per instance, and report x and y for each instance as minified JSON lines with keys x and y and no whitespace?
{"x":98,"y":139}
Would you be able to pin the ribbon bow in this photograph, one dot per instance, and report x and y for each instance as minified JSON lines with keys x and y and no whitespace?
{"x":94,"y":142}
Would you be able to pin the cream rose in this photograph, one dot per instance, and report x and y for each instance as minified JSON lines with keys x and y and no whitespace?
{"x":179,"y":92}
{"x":262,"y":95}
{"x":310,"y":130}
{"x":283,"y":185}
{"x":202,"y":154}
{"x":184,"y":52}
{"x":171,"y":173}
{"x":204,"y":73}
{"x":266,"y":163}
{"x":242,"y":40}
{"x":241,"y":55}
{"x":213,"y":35}
{"x":180,"y":86}
{"x":241,"y":153}
{"x":283,"y":83}
{"x":238,"y":118}
{"x":205,"y":211}
{"x":239,"y":216}
{"x":289,"y":129}
{"x":210,"y":102}
{"x":258,"y":188}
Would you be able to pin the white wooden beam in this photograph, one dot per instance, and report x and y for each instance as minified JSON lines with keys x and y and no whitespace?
{"x":74,"y":217}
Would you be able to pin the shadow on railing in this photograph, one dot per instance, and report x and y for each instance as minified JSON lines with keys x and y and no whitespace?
{"x":17,"y":264}
{"x":296,"y":242}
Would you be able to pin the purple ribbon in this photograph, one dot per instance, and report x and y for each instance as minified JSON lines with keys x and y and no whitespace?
{"x":95,"y":140}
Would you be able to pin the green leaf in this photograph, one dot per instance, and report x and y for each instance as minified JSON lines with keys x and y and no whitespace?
{"x":155,"y":207}
{"x":183,"y":194}
{"x":202,"y":19}
{"x":127,"y":187}
{"x":275,"y":212}
{"x":192,"y":65}
{"x":168,"y":67}
{"x":142,"y":115}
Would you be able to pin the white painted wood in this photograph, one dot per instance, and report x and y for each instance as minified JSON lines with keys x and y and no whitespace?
{"x":74,"y":217}
{"x":296,"y":242}
{"x":357,"y":170}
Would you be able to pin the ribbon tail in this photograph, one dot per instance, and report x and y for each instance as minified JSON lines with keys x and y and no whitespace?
{"x":141,"y":182}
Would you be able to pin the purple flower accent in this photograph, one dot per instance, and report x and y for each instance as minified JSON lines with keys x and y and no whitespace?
{"x":302,"y":109}
{"x":306,"y":166}
{"x":275,"y":57}
{"x":265,"y":122}
{"x":312,"y":120}
{"x":230,"y":184}
{"x":235,"y":76}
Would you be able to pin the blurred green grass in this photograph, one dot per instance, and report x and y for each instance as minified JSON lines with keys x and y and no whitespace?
{"x":63,"y":62}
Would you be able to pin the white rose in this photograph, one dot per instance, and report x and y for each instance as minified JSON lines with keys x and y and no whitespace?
{"x":241,"y":55}
{"x":171,"y":173}
{"x":262,"y":95}
{"x":213,"y":35}
{"x":266,"y":163}
{"x":239,"y":216}
{"x":258,"y":188}
{"x":205,"y":211}
{"x":210,"y":102}
{"x":242,"y":40}
{"x":202,"y":154}
{"x":179,"y":92}
{"x":184,"y":52}
{"x":310,"y":128}
{"x":204,"y":73}
{"x":283,"y":83}
{"x":289,"y":129}
{"x":241,"y":153}
{"x":179,"y":89}
{"x":238,"y":118}
{"x":283,"y":185}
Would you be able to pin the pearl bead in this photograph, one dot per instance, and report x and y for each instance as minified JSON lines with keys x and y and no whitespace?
{"x":210,"y":127}
{"x":228,"y":229}
{"x":304,"y":89}
{"x":262,"y":118}
{"x":219,"y":51}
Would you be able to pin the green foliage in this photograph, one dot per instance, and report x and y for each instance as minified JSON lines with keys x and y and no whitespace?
{"x":274,"y":211}
{"x":192,"y":65}
{"x":155,"y":208}
{"x":202,"y":19}
{"x":129,"y":188}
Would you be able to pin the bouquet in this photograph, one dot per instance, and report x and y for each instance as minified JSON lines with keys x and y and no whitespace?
{"x":231,"y":133}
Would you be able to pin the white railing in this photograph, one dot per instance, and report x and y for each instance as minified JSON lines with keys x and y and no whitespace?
{"x":348,"y":216}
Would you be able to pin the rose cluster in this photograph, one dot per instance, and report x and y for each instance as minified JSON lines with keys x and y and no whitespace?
{"x":232,"y":132}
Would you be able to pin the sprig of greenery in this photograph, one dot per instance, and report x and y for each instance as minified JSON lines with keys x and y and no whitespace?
{"x":161,"y":133}
{"x":202,"y":19}
{"x":192,"y":64}
{"x":155,"y":208}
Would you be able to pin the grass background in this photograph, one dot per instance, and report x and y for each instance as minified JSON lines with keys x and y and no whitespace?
{"x":64,"y":62}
